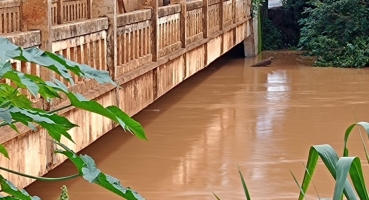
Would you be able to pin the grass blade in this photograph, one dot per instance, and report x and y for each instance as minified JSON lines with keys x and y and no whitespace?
{"x":247,"y":194}
{"x":352,"y":165}
{"x":215,"y":195}
{"x":297,"y":183}
{"x":316,"y":190}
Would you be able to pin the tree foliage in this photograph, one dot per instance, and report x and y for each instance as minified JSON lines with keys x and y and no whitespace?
{"x":336,"y":32}
{"x":16,"y":108}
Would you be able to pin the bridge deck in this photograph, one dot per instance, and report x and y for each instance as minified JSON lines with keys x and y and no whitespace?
{"x":147,"y":51}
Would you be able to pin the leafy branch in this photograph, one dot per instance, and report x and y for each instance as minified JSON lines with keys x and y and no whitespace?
{"x":18,"y":108}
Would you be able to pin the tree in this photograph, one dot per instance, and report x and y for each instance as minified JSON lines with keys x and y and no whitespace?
{"x":17,"y":108}
{"x":335,"y":32}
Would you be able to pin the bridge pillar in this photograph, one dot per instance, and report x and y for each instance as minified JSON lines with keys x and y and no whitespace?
{"x":250,"y":44}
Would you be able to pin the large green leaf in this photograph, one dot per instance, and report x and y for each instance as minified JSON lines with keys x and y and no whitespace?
{"x":352,"y":165}
{"x":9,"y":188}
{"x":329,"y":158}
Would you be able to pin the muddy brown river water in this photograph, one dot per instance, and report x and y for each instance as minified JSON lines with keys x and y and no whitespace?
{"x":262,"y":119}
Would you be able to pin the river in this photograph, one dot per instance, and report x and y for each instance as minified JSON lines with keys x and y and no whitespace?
{"x":263,"y":120}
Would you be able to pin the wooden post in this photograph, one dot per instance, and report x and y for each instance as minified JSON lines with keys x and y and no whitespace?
{"x":183,"y":20}
{"x":153,"y":5}
{"x":59,"y":12}
{"x":104,"y":8}
{"x":221,"y":14}
{"x":205,"y":18}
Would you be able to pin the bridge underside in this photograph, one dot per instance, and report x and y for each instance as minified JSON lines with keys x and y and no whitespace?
{"x":146,"y":54}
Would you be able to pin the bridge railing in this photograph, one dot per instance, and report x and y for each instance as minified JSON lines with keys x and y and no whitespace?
{"x":169,"y":38}
{"x":133,"y":40}
{"x":228,"y":15}
{"x":85,"y":41}
{"x":194,"y":25}
{"x":213,"y":16}
{"x":64,"y":11}
{"x":10,"y":16}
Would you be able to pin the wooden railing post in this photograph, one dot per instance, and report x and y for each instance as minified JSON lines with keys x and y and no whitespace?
{"x":221,"y":14}
{"x":59,"y":11}
{"x":205,"y":18}
{"x":104,"y":8}
{"x":153,"y":5}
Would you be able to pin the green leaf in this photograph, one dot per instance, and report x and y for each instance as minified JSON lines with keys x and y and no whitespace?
{"x":5,"y":115}
{"x":22,"y":81}
{"x":70,"y":65}
{"x":111,"y":112}
{"x":97,"y":75}
{"x":247,"y":194}
{"x":71,"y":155}
{"x":329,"y":158}
{"x":9,"y":188}
{"x":41,"y":58}
{"x":89,"y":170}
{"x":4,"y":151}
{"x":45,"y":91}
{"x":365,"y":125}
{"x":112,"y":184}
{"x":91,"y":173}
{"x":298,"y":185}
{"x":5,"y":67}
{"x":55,"y":125}
{"x":128,"y":123}
{"x":8,"y":50}
{"x":352,"y":165}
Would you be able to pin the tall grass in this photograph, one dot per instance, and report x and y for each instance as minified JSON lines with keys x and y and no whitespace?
{"x":341,"y":168}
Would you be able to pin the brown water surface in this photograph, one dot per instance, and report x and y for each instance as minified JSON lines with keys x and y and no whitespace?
{"x":262,"y":119}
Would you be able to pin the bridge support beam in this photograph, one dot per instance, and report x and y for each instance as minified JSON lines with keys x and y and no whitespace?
{"x":250,"y":44}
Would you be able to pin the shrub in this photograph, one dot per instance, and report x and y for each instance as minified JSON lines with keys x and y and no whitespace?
{"x":335,"y":32}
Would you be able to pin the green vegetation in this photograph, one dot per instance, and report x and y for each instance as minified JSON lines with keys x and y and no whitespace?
{"x":336,"y":32}
{"x":339,"y":167}
{"x":16,"y":108}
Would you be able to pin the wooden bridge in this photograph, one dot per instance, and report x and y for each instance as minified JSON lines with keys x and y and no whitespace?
{"x":147,"y":48}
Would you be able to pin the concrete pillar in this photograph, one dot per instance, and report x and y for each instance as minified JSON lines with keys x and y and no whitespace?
{"x":250,"y":44}
{"x":104,"y":8}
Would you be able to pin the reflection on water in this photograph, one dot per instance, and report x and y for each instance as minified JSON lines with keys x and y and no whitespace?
{"x":262,"y":119}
